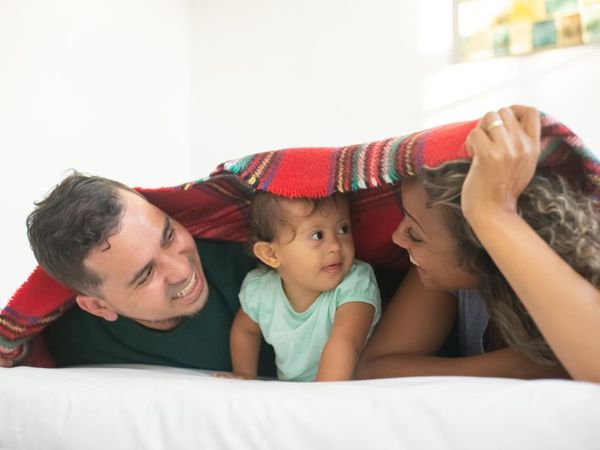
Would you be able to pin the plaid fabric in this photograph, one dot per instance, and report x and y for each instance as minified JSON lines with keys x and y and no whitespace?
{"x":215,"y":207}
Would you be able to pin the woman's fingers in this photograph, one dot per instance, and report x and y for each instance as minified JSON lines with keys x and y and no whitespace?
{"x":477,"y":140}
{"x":529,"y":119}
{"x":511,"y":123}
{"x":505,"y":148}
{"x":506,"y":132}
{"x":493,"y":125}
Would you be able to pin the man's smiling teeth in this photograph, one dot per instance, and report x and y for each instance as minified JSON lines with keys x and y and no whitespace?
{"x":188,"y":287}
{"x":412,"y":260}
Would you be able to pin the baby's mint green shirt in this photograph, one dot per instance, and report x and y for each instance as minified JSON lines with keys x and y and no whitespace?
{"x":299,"y":337}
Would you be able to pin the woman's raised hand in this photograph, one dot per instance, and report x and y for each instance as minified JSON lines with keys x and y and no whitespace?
{"x":505,"y":146}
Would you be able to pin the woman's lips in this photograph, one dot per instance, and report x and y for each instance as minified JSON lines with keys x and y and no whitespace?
{"x":412,"y":260}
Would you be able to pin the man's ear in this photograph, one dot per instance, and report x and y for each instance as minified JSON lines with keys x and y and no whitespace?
{"x":97,"y":307}
{"x":266,"y":253}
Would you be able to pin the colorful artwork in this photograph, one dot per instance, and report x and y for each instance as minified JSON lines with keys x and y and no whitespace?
{"x":569,"y":30}
{"x":521,"y":38}
{"x":501,"y":41}
{"x":591,"y":24}
{"x":544,"y":34}
{"x":488,"y":28}
{"x":556,"y":6}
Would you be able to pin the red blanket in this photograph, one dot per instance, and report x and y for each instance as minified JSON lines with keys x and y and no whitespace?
{"x":215,"y":207}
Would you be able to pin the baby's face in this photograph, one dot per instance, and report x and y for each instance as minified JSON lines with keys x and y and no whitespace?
{"x":316,"y":250}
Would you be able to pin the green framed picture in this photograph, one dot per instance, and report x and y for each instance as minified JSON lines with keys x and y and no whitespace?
{"x":498,"y":28}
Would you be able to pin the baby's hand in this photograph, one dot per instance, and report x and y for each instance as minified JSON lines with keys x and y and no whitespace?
{"x":237,"y":376}
{"x":9,"y":357}
{"x":5,"y":362}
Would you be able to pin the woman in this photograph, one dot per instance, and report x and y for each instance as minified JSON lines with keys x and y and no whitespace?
{"x":490,"y":238}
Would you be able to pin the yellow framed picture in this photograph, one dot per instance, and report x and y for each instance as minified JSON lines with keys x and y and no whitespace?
{"x":494,"y":28}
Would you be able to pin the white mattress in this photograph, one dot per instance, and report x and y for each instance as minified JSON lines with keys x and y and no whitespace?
{"x":146,"y":407}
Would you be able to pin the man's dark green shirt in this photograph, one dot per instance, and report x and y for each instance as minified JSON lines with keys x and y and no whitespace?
{"x":201,"y":341}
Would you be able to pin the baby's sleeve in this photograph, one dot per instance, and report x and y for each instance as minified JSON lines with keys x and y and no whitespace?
{"x":360,"y":285}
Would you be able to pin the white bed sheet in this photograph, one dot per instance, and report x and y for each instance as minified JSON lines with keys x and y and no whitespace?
{"x":147,"y":407}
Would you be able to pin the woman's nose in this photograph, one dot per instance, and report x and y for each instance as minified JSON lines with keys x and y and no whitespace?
{"x":399,"y":238}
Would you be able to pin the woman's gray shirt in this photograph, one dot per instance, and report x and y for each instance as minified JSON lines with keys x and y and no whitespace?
{"x":473,"y":320}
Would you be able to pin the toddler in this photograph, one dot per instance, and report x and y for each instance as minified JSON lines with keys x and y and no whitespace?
{"x":312,"y":301}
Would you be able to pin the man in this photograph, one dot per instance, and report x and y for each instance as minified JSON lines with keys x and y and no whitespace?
{"x":146,"y":291}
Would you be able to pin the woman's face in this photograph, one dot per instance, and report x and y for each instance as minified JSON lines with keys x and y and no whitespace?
{"x":430,"y":244}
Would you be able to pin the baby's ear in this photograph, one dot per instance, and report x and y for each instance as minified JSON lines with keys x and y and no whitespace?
{"x":266,"y":253}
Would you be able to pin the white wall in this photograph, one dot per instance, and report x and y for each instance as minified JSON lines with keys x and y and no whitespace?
{"x":562,"y":83}
{"x":102,"y":86}
{"x":156,"y":92}
{"x":280,"y":73}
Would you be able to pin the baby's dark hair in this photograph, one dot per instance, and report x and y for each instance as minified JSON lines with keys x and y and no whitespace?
{"x":267,"y":216}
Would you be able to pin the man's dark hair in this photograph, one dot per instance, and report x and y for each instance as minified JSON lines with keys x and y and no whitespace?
{"x":79,"y":214}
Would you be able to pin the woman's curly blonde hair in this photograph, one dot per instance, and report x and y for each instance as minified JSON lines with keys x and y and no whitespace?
{"x":566,"y":218}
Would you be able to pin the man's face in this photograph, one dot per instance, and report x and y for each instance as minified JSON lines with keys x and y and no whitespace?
{"x":150,"y":269}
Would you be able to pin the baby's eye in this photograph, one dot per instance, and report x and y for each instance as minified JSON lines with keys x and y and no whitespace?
{"x":316,"y":236}
{"x":344,"y":229}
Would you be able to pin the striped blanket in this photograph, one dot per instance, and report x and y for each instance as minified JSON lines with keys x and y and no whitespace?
{"x":215,"y":207}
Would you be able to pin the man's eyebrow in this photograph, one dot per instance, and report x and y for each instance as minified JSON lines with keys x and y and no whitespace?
{"x":163,"y":241}
{"x":413,"y":218}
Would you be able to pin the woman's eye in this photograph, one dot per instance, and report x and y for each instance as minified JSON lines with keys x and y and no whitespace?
{"x":316,"y":236}
{"x":408,"y":234}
